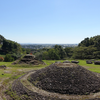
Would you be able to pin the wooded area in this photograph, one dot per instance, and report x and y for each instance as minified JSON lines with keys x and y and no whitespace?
{"x":89,"y":48}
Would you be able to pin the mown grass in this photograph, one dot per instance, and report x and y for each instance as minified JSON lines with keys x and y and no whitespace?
{"x":48,"y":62}
{"x":5,"y":63}
{"x":91,"y":67}
{"x":14,"y":69}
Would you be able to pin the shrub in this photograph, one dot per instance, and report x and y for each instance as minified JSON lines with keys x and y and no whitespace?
{"x":16,"y":55}
{"x":1,"y":59}
{"x":8,"y":58}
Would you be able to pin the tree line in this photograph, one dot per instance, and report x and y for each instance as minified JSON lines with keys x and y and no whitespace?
{"x":89,"y":48}
{"x":11,"y":49}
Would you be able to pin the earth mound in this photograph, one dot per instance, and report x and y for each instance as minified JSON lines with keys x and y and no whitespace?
{"x":28,"y":59}
{"x":66,"y":78}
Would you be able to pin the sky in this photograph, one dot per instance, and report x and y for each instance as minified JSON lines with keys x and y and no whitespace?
{"x":49,"y":21}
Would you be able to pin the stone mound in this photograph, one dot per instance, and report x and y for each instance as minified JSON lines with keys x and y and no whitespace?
{"x":66,"y":78}
{"x":76,"y":62}
{"x":28,"y":59}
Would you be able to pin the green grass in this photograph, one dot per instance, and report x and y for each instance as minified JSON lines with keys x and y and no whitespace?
{"x":91,"y":67}
{"x":5,"y":75}
{"x":48,"y":62}
{"x":5,"y":63}
{"x":12,"y":69}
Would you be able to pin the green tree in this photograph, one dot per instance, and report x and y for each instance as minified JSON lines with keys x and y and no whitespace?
{"x":84,"y":52}
{"x":45,"y":56}
{"x":11,"y":46}
{"x":60,"y":51}
{"x":84,"y":43}
{"x":53,"y":54}
{"x":69,"y":51}
{"x":8,"y":58}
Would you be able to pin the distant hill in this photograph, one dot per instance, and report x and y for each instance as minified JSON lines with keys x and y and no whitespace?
{"x":9,"y":46}
{"x":93,"y":41}
{"x":89,"y":48}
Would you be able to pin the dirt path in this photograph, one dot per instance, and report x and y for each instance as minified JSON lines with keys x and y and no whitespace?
{"x":1,"y":98}
{"x":2,"y":88}
{"x":31,"y":87}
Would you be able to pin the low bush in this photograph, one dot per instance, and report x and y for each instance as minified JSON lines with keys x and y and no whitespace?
{"x":1,"y":59}
{"x":8,"y":58}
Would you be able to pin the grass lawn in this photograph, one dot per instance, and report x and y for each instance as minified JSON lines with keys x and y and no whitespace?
{"x":17,"y":70}
{"x":91,"y":67}
{"x":5,"y":63}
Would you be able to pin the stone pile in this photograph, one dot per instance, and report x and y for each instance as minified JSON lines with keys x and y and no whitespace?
{"x":66,"y":78}
{"x":28,"y":59}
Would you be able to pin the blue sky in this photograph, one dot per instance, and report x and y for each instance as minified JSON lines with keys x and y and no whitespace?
{"x":49,"y":21}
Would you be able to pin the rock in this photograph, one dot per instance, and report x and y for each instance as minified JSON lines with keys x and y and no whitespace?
{"x":97,"y":62}
{"x":89,"y":62}
{"x":76,"y":62}
{"x":3,"y":66}
{"x":66,"y":61}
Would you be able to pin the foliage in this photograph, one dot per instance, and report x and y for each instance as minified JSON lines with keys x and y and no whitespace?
{"x":39,"y":55}
{"x":55,"y":53}
{"x":8,"y":58}
{"x":1,"y":39}
{"x":84,"y":53}
{"x":1,"y":59}
{"x":45,"y":55}
{"x":16,"y":56}
{"x":60,"y":50}
{"x":11,"y":46}
{"x":89,"y":48}
{"x":93,"y":41}
{"x":69,"y":52}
